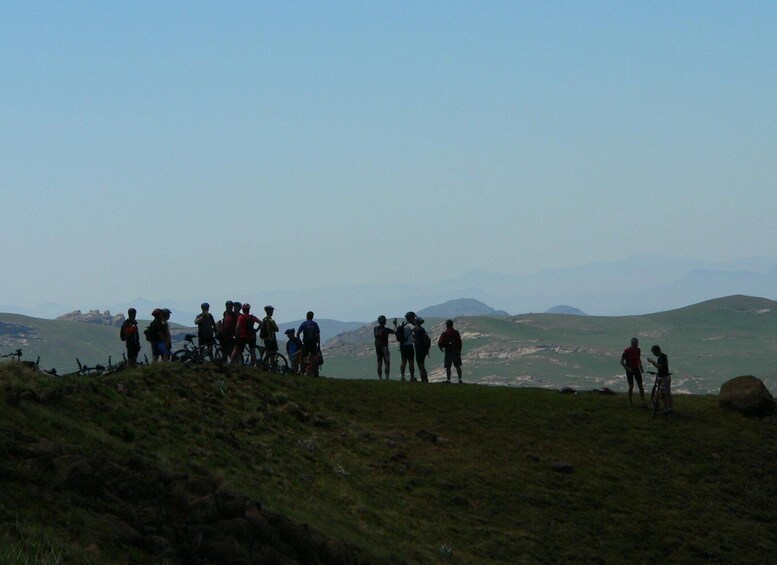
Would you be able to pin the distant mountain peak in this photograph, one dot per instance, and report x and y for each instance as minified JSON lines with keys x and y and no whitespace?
{"x":564,"y":309}
{"x":461,"y":307}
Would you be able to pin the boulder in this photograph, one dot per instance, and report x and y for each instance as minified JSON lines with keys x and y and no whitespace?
{"x":747,"y":395}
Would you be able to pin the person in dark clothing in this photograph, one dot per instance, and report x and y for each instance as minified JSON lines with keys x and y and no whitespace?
{"x":159,"y":336}
{"x":311,"y":345}
{"x":422,"y":344}
{"x":631,"y":360}
{"x":206,"y":329}
{"x":130,"y":335}
{"x":404,"y":335}
{"x":227,"y":329}
{"x":382,"y":333}
{"x":662,"y":366}
{"x":450,"y":343}
{"x":293,"y":349}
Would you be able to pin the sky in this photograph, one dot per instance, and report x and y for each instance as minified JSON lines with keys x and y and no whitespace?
{"x":186,"y":149}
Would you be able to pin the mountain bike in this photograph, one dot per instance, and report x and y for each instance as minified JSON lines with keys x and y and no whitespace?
{"x":195,"y":354}
{"x":17,"y":354}
{"x":86,"y":371}
{"x":656,"y":394}
{"x":276,"y":363}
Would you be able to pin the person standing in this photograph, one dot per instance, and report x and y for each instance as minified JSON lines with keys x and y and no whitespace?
{"x":131,"y":337}
{"x":404,"y":335}
{"x":382,"y":333}
{"x":293,"y":349}
{"x":631,"y":360}
{"x":423,"y":344}
{"x":267,"y":333}
{"x":245,"y":334}
{"x":227,"y":329}
{"x":158,"y":335}
{"x":206,"y":329}
{"x":662,"y":366}
{"x":311,"y":344}
{"x":450,"y":342}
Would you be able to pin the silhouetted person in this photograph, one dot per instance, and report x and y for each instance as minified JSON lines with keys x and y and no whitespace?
{"x":382,"y":333}
{"x":450,"y":343}
{"x":631,"y":360}
{"x":130,"y":335}
{"x":662,"y":366}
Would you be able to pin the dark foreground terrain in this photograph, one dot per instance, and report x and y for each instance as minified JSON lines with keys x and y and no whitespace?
{"x":174,"y":465}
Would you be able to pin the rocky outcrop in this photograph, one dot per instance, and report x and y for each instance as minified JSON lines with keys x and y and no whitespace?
{"x":94,"y":317}
{"x":747,"y":395}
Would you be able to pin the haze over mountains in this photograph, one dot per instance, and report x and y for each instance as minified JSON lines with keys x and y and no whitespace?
{"x":637,"y":285}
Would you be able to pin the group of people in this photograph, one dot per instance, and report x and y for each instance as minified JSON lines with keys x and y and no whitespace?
{"x":631,"y":360}
{"x":237,"y":330}
{"x":414,"y":345}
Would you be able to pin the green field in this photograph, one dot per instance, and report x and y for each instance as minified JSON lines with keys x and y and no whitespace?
{"x":397,"y":472}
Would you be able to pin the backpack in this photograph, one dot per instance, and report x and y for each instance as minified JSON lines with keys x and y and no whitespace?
{"x":401,"y":337}
{"x":264,"y":332}
{"x":147,"y":333}
{"x":309,"y":334}
{"x":424,"y":342}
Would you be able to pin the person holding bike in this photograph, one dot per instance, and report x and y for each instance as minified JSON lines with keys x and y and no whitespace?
{"x":311,"y":345}
{"x":206,"y":329}
{"x":245,"y":334}
{"x":293,"y":349}
{"x":631,"y":360}
{"x":661,"y":364}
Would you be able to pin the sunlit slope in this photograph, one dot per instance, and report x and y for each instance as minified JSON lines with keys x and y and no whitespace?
{"x":707,"y":343}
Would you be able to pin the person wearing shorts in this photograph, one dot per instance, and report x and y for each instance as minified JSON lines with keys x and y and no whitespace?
{"x":662,"y":366}
{"x":382,"y":333}
{"x":404,"y":335}
{"x":631,"y":360}
{"x":131,"y":337}
{"x":310,"y":334}
{"x":157,"y":335}
{"x":450,"y":342}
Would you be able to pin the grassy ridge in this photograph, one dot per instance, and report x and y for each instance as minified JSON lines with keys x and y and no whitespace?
{"x":406,"y":472}
{"x":707,"y":344}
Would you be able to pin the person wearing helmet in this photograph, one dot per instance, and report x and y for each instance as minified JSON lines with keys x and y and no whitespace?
{"x":131,"y":337}
{"x":293,"y":349}
{"x":158,"y":336}
{"x":226,"y":329}
{"x":245,"y":334}
{"x":382,"y":333}
{"x":404,"y":335}
{"x":267,"y":333}
{"x":206,"y":329}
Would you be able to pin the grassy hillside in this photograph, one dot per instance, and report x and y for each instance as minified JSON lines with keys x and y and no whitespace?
{"x":707,"y":344}
{"x":163,"y":464}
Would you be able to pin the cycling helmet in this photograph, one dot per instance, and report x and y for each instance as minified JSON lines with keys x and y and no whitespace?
{"x":381,"y":319}
{"x":290,"y":331}
{"x":204,"y":305}
{"x":410,"y":315}
{"x":269,"y":308}
{"x":132,"y":311}
{"x":156,"y":312}
{"x":228,"y":303}
{"x":419,"y":321}
{"x":246,"y":307}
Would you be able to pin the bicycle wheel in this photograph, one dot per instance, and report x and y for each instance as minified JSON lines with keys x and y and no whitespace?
{"x":654,"y":397}
{"x":182,"y":356}
{"x":278,"y":363}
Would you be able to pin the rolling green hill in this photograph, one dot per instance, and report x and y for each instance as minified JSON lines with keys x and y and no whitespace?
{"x":172,"y":465}
{"x":707,"y":344}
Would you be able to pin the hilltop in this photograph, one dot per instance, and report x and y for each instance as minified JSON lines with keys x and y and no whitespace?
{"x":460,"y":307}
{"x":165,"y":464}
{"x":707,"y":343}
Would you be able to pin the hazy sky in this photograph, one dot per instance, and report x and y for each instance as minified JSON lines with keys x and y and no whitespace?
{"x":184,"y":149}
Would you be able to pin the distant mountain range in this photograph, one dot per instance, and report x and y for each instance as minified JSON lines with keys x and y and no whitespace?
{"x":564,"y":309}
{"x":636,"y":285}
